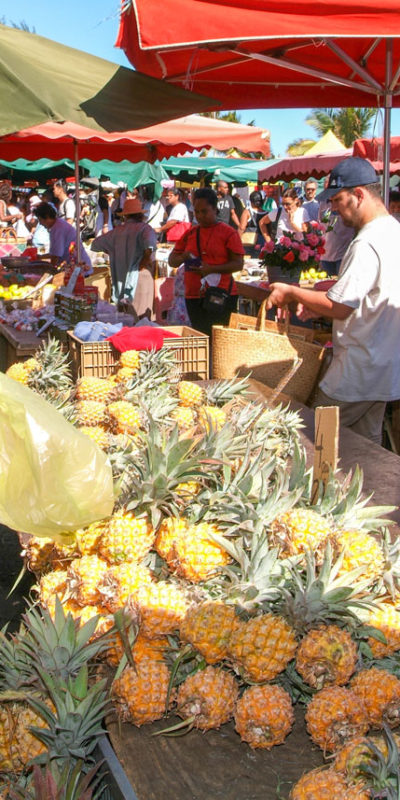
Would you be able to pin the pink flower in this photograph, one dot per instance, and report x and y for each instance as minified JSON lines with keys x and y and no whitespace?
{"x":312,"y":239}
{"x":317,"y":257}
{"x":285,"y":241}
{"x":303,"y":254}
{"x":296,"y":246}
{"x":268,"y":247}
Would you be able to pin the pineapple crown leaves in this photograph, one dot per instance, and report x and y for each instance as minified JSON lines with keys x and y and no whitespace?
{"x":75,"y":727}
{"x":155,"y":370}
{"x":15,"y":666}
{"x":60,"y":646}
{"x":346,"y":504}
{"x":292,"y":682}
{"x":55,"y":783}
{"x":313,"y":598}
{"x":53,"y":370}
{"x":390,"y":579}
{"x":381,"y":772}
{"x":223,"y":391}
{"x":257,"y":574}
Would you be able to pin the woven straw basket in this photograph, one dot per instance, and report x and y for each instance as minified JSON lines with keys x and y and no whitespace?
{"x":277,"y":357}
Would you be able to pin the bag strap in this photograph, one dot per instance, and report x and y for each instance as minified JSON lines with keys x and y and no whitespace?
{"x":262,"y":317}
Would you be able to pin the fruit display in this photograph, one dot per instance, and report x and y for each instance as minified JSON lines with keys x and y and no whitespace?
{"x":222,"y":589}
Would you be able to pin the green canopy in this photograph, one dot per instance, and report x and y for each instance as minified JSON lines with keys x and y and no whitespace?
{"x":239,"y":170}
{"x":42,"y":80}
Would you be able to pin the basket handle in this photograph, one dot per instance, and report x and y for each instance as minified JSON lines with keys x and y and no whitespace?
{"x":261,"y":317}
{"x":285,"y":380}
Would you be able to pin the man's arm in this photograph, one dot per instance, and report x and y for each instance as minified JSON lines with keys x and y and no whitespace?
{"x":317,"y":302}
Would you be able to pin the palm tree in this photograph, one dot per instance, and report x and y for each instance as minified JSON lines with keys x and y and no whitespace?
{"x":299,"y":147}
{"x":226,"y":116}
{"x":347,"y":124}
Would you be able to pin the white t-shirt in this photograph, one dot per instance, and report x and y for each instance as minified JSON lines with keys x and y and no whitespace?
{"x":154,"y":214}
{"x":366,"y":346}
{"x":179,"y":212}
{"x":284,"y":224}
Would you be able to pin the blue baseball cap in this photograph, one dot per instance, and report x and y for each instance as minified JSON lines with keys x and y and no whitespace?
{"x":347,"y":174}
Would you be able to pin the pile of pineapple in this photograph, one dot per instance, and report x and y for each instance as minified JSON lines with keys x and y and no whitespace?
{"x":223,"y":588}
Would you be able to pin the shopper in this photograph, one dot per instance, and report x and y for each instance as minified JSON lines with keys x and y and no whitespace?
{"x":364,"y":303}
{"x":131,"y":247}
{"x":211,"y":252}
{"x":291,"y":216}
{"x":178,"y":216}
{"x":226,"y":206}
{"x":66,"y":206}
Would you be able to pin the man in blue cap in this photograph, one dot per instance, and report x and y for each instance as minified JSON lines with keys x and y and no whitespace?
{"x":364,"y":303}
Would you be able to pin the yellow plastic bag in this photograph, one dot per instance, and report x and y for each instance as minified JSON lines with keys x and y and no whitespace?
{"x":53,"y":479}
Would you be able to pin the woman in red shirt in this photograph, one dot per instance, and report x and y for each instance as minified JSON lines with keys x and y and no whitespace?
{"x":211,"y":252}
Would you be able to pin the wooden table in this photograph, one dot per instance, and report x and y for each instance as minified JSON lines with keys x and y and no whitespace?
{"x":16,"y":345}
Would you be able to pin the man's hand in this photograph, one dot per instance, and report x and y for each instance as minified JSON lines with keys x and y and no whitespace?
{"x":281,"y":295}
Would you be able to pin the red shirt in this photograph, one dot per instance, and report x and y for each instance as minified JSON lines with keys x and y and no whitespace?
{"x":215,"y":242}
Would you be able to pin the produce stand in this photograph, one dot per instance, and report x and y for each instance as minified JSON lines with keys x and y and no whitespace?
{"x":217,"y":764}
{"x":16,"y":345}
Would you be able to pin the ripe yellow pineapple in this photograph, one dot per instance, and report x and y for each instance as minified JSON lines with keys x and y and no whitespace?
{"x":187,"y":490}
{"x":299,"y":529}
{"x":123,"y":417}
{"x":17,"y":744}
{"x":123,"y":374}
{"x":90,"y":412}
{"x":386,"y":618}
{"x":91,"y":388}
{"x":209,"y":696}
{"x":357,"y":752}
{"x":84,"y":577}
{"x":326,"y":656}
{"x":209,"y":627}
{"x":87,"y":539}
{"x":142,"y":648}
{"x":334,"y":715}
{"x":262,"y":647}
{"x":212,"y":417}
{"x":264,"y":716}
{"x":51,"y":585}
{"x":140,"y":694}
{"x":325,"y":784}
{"x":184,"y":416}
{"x":190,"y":394}
{"x":126,"y":538}
{"x":130,"y":359}
{"x":121,"y":583}
{"x":379,"y":691}
{"x":97,"y":434}
{"x":162,"y":607}
{"x":42,"y":554}
{"x":195,"y":555}
{"x":18,"y":372}
{"x":360,"y":549}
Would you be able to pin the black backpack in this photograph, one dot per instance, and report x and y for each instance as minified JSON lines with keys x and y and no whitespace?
{"x":88,"y":229}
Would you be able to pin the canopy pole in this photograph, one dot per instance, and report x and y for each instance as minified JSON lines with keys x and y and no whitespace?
{"x":77,"y":202}
{"x":386,"y":124}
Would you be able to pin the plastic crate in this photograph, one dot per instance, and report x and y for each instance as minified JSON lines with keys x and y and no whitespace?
{"x":98,"y":359}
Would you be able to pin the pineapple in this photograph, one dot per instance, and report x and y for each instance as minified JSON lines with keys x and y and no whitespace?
{"x":195,"y":555}
{"x":17,"y":744}
{"x":140,"y":694}
{"x":130,"y":359}
{"x":90,"y":412}
{"x":184,"y":416}
{"x":349,"y":758}
{"x":125,"y":538}
{"x":87,"y":539}
{"x":162,"y":607}
{"x":264,"y":716}
{"x":190,"y":394}
{"x":51,"y":585}
{"x":84,"y":577}
{"x":326,"y":656}
{"x":170,"y":530}
{"x":379,"y":691}
{"x":371,"y":761}
{"x":335,"y":715}
{"x":123,"y":375}
{"x":91,"y":388}
{"x":326,"y":784}
{"x":386,"y":618}
{"x":123,"y":417}
{"x":208,"y":627}
{"x":299,"y":529}
{"x":142,"y":649}
{"x":212,"y":417}
{"x":187,"y":491}
{"x":121,"y":583}
{"x":98,"y":435}
{"x":207,"y":698}
{"x":262,"y":647}
{"x":42,"y":554}
{"x":18,"y":372}
{"x":360,"y":549}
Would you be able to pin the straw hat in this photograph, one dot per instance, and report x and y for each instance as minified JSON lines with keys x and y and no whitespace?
{"x":132,"y":206}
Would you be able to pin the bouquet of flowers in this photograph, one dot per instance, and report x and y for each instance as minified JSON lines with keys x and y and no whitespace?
{"x":295,"y":251}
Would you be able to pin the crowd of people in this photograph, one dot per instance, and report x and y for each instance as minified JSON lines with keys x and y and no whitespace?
{"x":206,"y":228}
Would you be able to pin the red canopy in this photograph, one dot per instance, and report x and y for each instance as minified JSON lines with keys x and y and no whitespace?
{"x":302,"y":167}
{"x":56,"y":140}
{"x":268,"y":53}
{"x":373,"y":149}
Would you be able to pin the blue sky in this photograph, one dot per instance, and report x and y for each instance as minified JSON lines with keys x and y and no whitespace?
{"x":92,"y":25}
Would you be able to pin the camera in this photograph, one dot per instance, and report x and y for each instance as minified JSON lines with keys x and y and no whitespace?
{"x":192,"y":263}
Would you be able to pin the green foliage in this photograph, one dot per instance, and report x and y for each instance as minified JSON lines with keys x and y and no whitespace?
{"x":347,"y":124}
